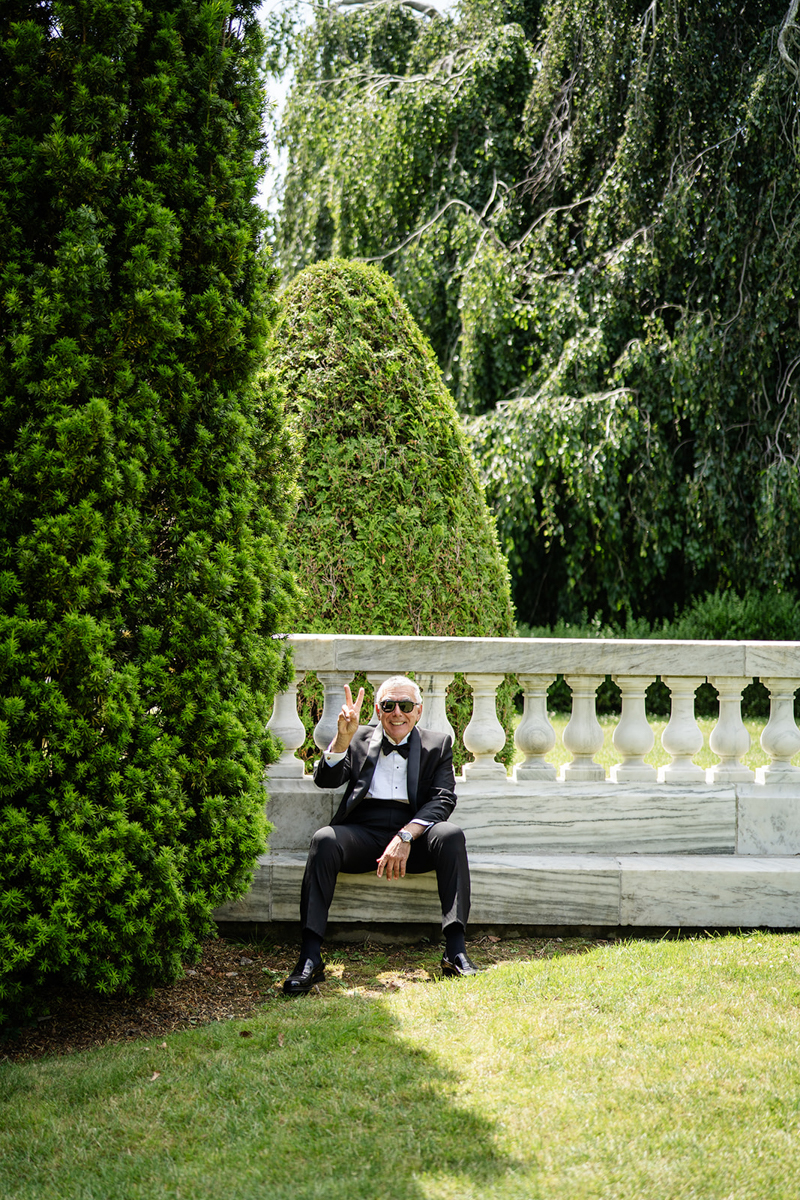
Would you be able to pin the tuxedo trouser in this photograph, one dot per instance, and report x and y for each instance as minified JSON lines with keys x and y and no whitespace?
{"x":356,"y":846}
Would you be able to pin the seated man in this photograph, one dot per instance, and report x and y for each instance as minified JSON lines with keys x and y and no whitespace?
{"x":400,"y":792}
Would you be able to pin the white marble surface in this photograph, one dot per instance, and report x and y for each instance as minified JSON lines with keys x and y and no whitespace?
{"x":768,"y":819}
{"x":557,"y":818}
{"x":551,"y":817}
{"x":297,"y":808}
{"x":710,"y":891}
{"x":689,"y":891}
{"x":586,"y":656}
{"x":544,"y":890}
{"x":522,"y":888}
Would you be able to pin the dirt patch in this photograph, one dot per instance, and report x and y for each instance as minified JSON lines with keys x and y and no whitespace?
{"x":232,"y":979}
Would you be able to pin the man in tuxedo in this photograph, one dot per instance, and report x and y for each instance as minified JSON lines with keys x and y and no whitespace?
{"x":400,"y":792}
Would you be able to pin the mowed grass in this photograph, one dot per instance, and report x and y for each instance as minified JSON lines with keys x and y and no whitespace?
{"x":660,"y":1070}
{"x":658,"y":757}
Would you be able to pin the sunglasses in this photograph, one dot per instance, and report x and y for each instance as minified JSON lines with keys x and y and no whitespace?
{"x":405,"y":706}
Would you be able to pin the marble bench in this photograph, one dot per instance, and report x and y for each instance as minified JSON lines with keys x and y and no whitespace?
{"x":681,"y":846}
{"x":603,"y":891}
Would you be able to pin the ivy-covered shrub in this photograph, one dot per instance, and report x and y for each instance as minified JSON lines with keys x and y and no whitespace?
{"x":392,"y":534}
{"x":143,"y":481}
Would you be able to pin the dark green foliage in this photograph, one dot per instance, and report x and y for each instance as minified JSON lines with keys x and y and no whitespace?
{"x":590,"y":207}
{"x":752,"y":616}
{"x":144,"y":473}
{"x":392,"y":534}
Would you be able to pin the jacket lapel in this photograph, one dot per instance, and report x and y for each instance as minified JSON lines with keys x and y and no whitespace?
{"x":367,"y":769}
{"x":412,"y":778}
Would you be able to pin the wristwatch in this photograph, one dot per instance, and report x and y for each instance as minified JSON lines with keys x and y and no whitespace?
{"x":405,"y":836}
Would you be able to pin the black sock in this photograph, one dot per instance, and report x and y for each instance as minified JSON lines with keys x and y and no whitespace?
{"x":310,"y":947}
{"x":455,"y":941}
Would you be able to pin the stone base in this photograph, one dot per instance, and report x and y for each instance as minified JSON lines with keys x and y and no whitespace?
{"x":552,"y":818}
{"x":691,"y":891}
{"x":546,"y":853}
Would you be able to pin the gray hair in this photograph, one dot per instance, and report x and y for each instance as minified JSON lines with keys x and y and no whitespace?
{"x":398,"y":681}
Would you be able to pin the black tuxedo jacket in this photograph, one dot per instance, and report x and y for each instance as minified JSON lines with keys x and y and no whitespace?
{"x":431,"y":781}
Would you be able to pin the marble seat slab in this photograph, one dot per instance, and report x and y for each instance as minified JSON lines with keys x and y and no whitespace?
{"x":692,"y":891}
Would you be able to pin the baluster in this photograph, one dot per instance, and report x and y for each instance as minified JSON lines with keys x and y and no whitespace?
{"x":535,"y":736}
{"x":484,"y":736}
{"x":285,"y":724}
{"x":781,"y":737}
{"x":375,"y":682}
{"x":333,"y":682}
{"x":633,"y":737}
{"x":682,"y":737}
{"x":729,"y":737}
{"x":434,"y":708}
{"x":583,"y":736}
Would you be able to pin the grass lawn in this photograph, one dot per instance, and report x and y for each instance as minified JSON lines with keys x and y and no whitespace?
{"x":658,"y":1070}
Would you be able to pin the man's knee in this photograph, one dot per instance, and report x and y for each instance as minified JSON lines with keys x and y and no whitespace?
{"x":447,"y":837}
{"x":324,"y":845}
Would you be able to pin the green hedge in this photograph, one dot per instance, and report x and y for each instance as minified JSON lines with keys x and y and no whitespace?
{"x":392,"y":534}
{"x":143,"y":486}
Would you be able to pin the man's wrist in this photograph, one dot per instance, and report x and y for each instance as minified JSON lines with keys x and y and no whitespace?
{"x":337,"y":748}
{"x":405,"y":835}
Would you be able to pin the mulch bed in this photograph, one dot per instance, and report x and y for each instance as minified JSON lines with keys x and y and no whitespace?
{"x":228,"y":981}
{"x":231,"y":980}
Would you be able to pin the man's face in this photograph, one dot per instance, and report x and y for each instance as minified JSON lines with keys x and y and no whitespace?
{"x":399,"y":724}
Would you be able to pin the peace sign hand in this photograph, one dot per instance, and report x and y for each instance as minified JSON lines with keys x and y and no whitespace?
{"x":347,"y":723}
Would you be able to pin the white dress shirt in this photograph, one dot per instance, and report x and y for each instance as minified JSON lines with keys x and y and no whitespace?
{"x":390,"y":778}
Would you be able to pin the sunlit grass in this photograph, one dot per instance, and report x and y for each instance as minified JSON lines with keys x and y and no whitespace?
{"x":634,"y":1071}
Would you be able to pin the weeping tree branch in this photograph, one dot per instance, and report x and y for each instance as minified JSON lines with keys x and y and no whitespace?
{"x":519,"y":401}
{"x":427,"y":10}
{"x":789,"y":24}
{"x":453,"y":69}
{"x":417,"y":233}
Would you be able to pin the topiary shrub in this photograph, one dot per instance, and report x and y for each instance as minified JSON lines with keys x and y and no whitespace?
{"x":392,"y":534}
{"x":143,"y":482}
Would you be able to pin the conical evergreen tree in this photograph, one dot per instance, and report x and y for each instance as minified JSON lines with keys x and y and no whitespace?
{"x":143,"y":478}
{"x":392,"y":534}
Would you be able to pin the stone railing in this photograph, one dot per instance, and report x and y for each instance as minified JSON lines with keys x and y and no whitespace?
{"x":633,"y":665}
{"x":535,"y":823}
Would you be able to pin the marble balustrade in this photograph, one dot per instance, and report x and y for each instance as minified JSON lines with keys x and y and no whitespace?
{"x":633,"y":665}
{"x":576,"y":842}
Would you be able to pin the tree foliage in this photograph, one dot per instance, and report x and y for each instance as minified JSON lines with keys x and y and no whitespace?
{"x":392,"y":534}
{"x":591,"y":208}
{"x":144,"y":476}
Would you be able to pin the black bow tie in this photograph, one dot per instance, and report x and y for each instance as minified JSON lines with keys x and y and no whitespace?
{"x":388,"y":747}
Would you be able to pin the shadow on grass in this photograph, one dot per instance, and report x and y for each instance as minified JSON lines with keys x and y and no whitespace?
{"x":374,"y":1111}
{"x":323,"y":1099}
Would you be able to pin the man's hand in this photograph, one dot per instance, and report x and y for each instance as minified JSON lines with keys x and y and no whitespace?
{"x":347,"y":723}
{"x":394,"y":858}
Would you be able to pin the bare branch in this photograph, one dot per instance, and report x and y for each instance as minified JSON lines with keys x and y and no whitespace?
{"x":550,"y":155}
{"x":517,"y":245}
{"x":788,"y":24}
{"x":566,"y":401}
{"x":424,"y":228}
{"x":427,"y":10}
{"x":440,"y":73}
{"x":735,"y":316}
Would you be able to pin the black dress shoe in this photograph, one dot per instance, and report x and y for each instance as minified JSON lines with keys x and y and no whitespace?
{"x":461,"y":965}
{"x":303,"y":977}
